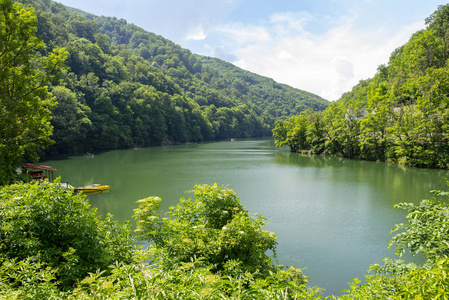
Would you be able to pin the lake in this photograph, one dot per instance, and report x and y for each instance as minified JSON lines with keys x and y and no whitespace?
{"x":332,"y":216}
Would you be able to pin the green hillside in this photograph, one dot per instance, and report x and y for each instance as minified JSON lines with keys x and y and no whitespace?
{"x":128,"y":87}
{"x":400,"y":115}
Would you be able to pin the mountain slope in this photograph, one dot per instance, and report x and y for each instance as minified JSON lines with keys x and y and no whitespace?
{"x":129,"y":87}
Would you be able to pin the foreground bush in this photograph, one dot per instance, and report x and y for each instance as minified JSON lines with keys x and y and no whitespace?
{"x":45,"y":224}
{"x":214,"y":227}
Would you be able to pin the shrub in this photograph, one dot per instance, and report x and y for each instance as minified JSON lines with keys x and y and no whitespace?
{"x":216,"y":236}
{"x":52,"y":226}
{"x":214,"y":226}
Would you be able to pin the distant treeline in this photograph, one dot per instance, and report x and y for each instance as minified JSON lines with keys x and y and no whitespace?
{"x":401,"y":115}
{"x":128,"y":87}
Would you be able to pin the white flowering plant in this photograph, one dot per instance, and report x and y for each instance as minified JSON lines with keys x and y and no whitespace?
{"x":213,"y":227}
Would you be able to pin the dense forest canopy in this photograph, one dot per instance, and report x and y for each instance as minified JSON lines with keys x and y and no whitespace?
{"x":400,"y":115}
{"x":129,"y":87}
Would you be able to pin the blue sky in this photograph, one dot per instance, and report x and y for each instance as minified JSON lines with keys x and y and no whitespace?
{"x":321,"y":46}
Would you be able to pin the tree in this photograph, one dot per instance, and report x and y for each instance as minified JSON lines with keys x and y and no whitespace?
{"x":280,"y":131}
{"x":342,"y":128}
{"x":315,"y":133}
{"x":24,"y":98}
{"x":109,"y":58}
{"x":70,"y":122}
{"x":439,"y":21}
{"x":374,"y":137}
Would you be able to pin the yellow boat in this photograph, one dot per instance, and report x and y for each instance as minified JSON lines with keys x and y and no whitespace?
{"x":92,"y":189}
{"x":40,"y":172}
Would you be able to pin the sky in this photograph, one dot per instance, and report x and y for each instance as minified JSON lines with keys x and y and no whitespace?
{"x":321,"y":46}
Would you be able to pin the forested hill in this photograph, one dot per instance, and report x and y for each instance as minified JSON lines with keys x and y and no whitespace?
{"x":400,"y":115}
{"x":129,"y":87}
{"x":279,"y":100}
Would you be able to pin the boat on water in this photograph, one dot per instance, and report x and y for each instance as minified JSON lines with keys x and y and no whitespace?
{"x":92,"y":189}
{"x":41,"y":173}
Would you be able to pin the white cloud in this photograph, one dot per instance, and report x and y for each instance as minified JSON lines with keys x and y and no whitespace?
{"x":342,"y":66}
{"x":196,"y":34}
{"x":291,"y":20}
{"x":328,"y":64}
{"x":243,"y":34}
{"x":285,"y":55}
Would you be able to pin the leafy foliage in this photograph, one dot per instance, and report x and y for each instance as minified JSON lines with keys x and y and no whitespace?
{"x":27,"y":279}
{"x":122,"y":87}
{"x":24,"y":98}
{"x":426,"y":229}
{"x":189,"y":281}
{"x":207,"y":248}
{"x":213,"y":227}
{"x":411,"y":283}
{"x":127,"y":86}
{"x":400,"y":115}
{"x":46,"y":224}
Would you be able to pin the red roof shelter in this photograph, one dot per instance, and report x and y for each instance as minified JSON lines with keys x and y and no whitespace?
{"x":39,"y":175}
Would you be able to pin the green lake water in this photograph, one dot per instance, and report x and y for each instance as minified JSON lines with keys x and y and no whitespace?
{"x":332,"y":216}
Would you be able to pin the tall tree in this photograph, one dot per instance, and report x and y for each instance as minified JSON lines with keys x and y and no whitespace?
{"x":24,"y":98}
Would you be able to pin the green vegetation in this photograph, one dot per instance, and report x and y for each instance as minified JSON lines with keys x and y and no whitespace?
{"x":127,"y":87}
{"x":213,"y":227}
{"x":207,"y":247}
{"x":24,"y":98}
{"x":401,"y":115}
{"x":48,"y":226}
